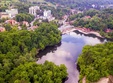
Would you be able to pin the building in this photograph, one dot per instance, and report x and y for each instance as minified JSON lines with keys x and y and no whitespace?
{"x":2,"y":29}
{"x":25,"y":23}
{"x":4,"y":15}
{"x":12,"y":13}
{"x":33,"y":28}
{"x":12,"y":22}
{"x":33,"y":10}
{"x":47,"y":13}
{"x":93,"y":5}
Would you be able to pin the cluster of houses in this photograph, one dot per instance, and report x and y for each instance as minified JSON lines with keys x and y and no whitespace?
{"x":46,"y":14}
{"x":11,"y":13}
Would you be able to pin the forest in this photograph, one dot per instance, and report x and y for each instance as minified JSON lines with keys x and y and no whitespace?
{"x":80,"y":3}
{"x":96,"y":62}
{"x":95,"y":20}
{"x":18,"y":50}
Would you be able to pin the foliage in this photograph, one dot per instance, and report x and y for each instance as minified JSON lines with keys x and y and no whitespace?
{"x":38,"y":73}
{"x":80,"y":3}
{"x":95,"y":20}
{"x":99,"y":20}
{"x":24,"y":17}
{"x":22,"y":8}
{"x":96,"y":61}
{"x":8,"y":27}
{"x":3,"y":8}
{"x":18,"y":47}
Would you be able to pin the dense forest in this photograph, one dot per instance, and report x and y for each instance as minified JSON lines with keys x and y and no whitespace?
{"x":38,"y":73}
{"x":18,"y":49}
{"x":81,"y":3}
{"x":96,"y":62}
{"x":95,"y":20}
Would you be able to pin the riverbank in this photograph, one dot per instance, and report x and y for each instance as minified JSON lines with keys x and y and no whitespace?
{"x":81,"y":30}
{"x":108,"y":79}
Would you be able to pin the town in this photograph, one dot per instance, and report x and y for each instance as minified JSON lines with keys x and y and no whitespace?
{"x":10,"y":15}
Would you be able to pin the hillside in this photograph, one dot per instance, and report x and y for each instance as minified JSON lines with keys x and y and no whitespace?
{"x":38,"y":2}
{"x":81,"y":3}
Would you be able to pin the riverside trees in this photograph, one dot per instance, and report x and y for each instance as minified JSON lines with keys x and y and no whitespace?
{"x":18,"y":49}
{"x":96,"y":61}
{"x":38,"y":73}
{"x":95,"y":20}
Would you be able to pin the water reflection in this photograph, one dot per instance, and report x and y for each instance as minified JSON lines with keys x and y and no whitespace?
{"x":67,"y":53}
{"x":90,"y":35}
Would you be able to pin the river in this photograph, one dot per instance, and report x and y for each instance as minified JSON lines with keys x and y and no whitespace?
{"x":67,"y":52}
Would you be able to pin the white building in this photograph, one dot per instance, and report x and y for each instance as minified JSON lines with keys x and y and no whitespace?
{"x":12,"y":13}
{"x":47,"y":13}
{"x":93,"y":5}
{"x":33,"y":10}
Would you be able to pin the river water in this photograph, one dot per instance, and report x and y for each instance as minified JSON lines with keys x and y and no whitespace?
{"x":67,"y":52}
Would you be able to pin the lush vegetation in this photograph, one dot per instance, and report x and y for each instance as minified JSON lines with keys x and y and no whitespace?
{"x":38,"y":73}
{"x":3,"y":8}
{"x":80,"y":3}
{"x":96,"y":62}
{"x":95,"y":20}
{"x":22,"y":7}
{"x":19,"y":47}
{"x":24,"y":17}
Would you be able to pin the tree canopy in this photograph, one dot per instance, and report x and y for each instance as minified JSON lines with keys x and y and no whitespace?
{"x":18,"y":49}
{"x":24,"y":17}
{"x":95,"y":20}
{"x":38,"y":73}
{"x":96,"y":62}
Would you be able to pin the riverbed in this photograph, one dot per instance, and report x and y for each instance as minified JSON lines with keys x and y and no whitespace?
{"x":67,"y":52}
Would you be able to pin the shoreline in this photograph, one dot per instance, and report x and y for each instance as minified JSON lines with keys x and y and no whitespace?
{"x":81,"y":31}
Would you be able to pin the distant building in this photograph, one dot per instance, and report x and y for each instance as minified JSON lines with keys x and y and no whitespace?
{"x":79,"y":12}
{"x":25,"y":23}
{"x":2,"y":29}
{"x":74,"y":11}
{"x":33,"y":10}
{"x":4,"y":15}
{"x":108,"y":30}
{"x":33,"y":28}
{"x":93,"y":5}
{"x":12,"y":13}
{"x":12,"y":22}
{"x":87,"y":17}
{"x":47,"y":13}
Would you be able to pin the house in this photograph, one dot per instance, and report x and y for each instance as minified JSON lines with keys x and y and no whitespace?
{"x":108,"y":30}
{"x":4,"y":15}
{"x":2,"y":29}
{"x":25,"y":23}
{"x":12,"y":22}
{"x":33,"y":27}
{"x":12,"y":12}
